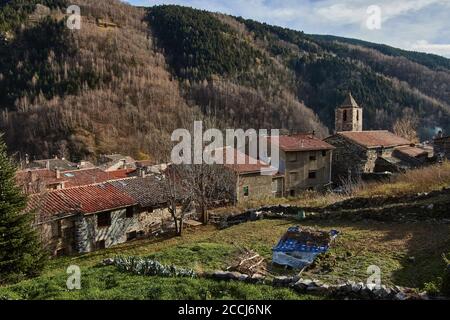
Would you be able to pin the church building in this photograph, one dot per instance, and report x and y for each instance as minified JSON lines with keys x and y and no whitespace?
{"x":363,"y":153}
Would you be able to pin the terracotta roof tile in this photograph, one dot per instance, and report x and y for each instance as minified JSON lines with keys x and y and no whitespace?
{"x":375,"y":139}
{"x":84,"y":200}
{"x":244,"y":163}
{"x":411,"y":151}
{"x":84,"y":177}
{"x":301,"y":142}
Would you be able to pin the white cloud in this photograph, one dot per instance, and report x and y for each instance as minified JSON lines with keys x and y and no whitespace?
{"x":404,"y":22}
{"x":425,"y":46}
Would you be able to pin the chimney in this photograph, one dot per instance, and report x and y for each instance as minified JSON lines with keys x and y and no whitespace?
{"x":47,"y":164}
{"x":141,"y":172}
{"x":27,"y":159}
{"x":58,"y":173}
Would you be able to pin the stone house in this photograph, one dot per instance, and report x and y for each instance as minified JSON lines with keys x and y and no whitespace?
{"x":442,"y":147}
{"x":87,"y":218}
{"x":251,"y":184}
{"x":363,"y":152}
{"x":305,"y":164}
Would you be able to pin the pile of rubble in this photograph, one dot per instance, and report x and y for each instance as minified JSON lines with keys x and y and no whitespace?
{"x":346,"y":290}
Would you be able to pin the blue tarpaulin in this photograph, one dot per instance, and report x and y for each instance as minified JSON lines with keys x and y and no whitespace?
{"x":299,"y":250}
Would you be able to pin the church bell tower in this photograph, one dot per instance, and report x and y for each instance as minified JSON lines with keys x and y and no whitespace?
{"x":349,"y":115}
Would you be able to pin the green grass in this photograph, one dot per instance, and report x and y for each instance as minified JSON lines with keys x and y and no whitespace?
{"x":108,"y":283}
{"x":361,"y":244}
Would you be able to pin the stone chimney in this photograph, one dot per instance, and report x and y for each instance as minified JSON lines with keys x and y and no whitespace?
{"x":58,"y":173}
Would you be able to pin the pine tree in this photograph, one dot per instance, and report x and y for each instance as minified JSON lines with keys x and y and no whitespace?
{"x":21,"y":255}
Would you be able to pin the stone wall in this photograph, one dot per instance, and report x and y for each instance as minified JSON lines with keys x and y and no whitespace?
{"x":344,"y":290}
{"x":88,"y":234}
{"x":58,"y":235}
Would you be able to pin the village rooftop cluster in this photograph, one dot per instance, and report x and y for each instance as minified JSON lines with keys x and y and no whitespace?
{"x":82,"y":207}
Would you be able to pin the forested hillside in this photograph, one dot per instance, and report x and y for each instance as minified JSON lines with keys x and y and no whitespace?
{"x":126,"y":87}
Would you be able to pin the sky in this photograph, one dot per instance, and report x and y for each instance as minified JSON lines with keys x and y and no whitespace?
{"x":419,"y":25}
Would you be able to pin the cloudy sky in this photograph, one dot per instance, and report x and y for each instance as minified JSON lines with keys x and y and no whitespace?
{"x":420,"y":25}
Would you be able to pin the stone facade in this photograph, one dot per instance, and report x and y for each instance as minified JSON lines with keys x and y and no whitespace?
{"x":58,"y":235}
{"x":91,"y":236}
{"x":81,"y":233}
{"x":352,"y":159}
{"x":305,"y":170}
{"x":253,"y":186}
{"x":349,"y":119}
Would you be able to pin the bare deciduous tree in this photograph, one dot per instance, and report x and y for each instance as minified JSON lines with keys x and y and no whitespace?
{"x":406,"y":126}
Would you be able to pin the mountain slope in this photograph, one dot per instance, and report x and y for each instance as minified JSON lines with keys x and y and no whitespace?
{"x":125,"y":88}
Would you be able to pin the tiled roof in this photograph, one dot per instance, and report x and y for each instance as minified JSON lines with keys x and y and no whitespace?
{"x":243,"y":163}
{"x":61,"y":164}
{"x":411,"y":151}
{"x":349,"y":102}
{"x":73,"y":178}
{"x":84,"y":200}
{"x":301,"y":142}
{"x":147,"y":192}
{"x":44,"y":175}
{"x":375,"y":139}
{"x":92,"y":176}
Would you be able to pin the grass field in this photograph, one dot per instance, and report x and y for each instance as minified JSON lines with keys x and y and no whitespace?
{"x":389,"y":246}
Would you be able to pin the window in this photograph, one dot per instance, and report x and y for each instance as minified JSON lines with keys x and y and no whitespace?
{"x":292,"y":193}
{"x":292,"y":156}
{"x":246,"y":191}
{"x":130,"y":212}
{"x":131,"y":235}
{"x":357,"y":115}
{"x":345,"y":115}
{"x":324,"y":153}
{"x":312,"y":175}
{"x":100,"y":245}
{"x":312,"y":157}
{"x":104,"y":219}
